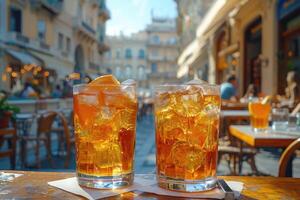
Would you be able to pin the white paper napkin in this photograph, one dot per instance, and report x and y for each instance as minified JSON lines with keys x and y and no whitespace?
{"x":216,"y":193}
{"x":71,"y":185}
{"x":4,"y":176}
{"x":143,"y":183}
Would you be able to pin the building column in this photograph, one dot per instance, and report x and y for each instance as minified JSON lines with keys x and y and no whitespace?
{"x":4,"y":79}
{"x":211,"y":61}
{"x":269,"y":49}
{"x":3,"y":16}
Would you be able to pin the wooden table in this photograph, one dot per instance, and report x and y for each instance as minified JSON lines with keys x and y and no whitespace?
{"x":33,"y":185}
{"x":234,"y":106}
{"x":235,"y":114}
{"x":264,"y":139}
{"x":229,"y":117}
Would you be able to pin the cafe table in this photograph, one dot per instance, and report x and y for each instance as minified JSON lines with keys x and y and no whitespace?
{"x":24,"y":122}
{"x":269,"y":138}
{"x":33,"y":185}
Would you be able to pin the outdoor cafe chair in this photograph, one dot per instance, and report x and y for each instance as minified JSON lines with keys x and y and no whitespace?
{"x":286,"y":156}
{"x":60,"y":130}
{"x":69,"y":139}
{"x":230,"y":150}
{"x":44,"y":129}
{"x":9,"y":135}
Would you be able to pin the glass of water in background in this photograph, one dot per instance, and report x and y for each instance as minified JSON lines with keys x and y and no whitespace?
{"x":280,"y":119}
{"x":298,"y":121}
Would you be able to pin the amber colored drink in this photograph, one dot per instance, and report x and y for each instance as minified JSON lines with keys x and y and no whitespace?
{"x":187,"y":129}
{"x":105,"y":122}
{"x":259,"y":115}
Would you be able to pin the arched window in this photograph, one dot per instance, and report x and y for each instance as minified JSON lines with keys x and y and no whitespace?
{"x":128,"y":71}
{"x":118,"y":54}
{"x":119,"y":73}
{"x":154,"y":67}
{"x":141,"y":72}
{"x":108,"y":54}
{"x":128,"y":53}
{"x":155,"y":39}
{"x":141,"y":54}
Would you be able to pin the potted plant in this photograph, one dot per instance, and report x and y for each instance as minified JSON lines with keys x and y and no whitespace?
{"x":6,"y":112}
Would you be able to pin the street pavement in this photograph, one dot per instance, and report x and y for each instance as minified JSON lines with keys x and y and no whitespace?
{"x":266,"y":159}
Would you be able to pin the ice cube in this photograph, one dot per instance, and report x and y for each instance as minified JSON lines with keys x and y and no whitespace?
{"x":189,"y":105}
{"x":89,"y":99}
{"x":107,"y":155}
{"x":186,"y":156}
{"x":126,"y":118}
{"x":128,"y":87}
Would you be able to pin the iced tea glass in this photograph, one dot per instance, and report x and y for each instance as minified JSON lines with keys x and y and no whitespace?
{"x":259,"y":115}
{"x":187,"y":130}
{"x":105,"y":123}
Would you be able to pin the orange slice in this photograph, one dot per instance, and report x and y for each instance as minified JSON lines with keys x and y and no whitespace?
{"x":266,"y":100}
{"x":105,"y":79}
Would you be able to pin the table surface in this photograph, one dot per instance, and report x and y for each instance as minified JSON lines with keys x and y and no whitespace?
{"x":263,"y":139}
{"x":235,"y":113}
{"x":33,"y":185}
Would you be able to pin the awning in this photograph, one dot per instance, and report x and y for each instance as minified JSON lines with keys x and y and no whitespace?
{"x":189,"y":55}
{"x":228,"y":50}
{"x":23,"y":57}
{"x":184,"y":58}
{"x":62,"y":67}
{"x":217,"y":15}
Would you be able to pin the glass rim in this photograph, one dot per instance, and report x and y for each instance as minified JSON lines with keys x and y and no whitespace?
{"x":184,"y":85}
{"x":104,"y":85}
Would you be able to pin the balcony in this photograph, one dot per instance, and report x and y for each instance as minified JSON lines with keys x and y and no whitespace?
{"x":103,"y":11}
{"x":84,"y":28}
{"x":102,"y":47}
{"x":161,"y":59}
{"x":94,"y":66}
{"x":15,"y":38}
{"x":162,"y":44}
{"x":162,"y":75}
{"x":53,"y":6}
{"x":44,"y":45}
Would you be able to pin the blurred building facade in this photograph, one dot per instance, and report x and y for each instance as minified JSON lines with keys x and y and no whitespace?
{"x":162,"y":51}
{"x":257,"y":40}
{"x":127,"y":57}
{"x":190,"y":14}
{"x":148,"y":56}
{"x":50,"y":39}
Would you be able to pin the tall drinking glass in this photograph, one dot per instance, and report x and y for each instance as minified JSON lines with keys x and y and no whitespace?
{"x":105,"y":122}
{"x":259,"y":114}
{"x":187,"y":130}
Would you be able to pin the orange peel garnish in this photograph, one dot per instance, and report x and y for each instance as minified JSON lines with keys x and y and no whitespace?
{"x":105,"y":80}
{"x":266,"y":100}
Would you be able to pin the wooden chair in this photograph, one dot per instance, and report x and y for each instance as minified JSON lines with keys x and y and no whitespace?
{"x":230,"y":148}
{"x":9,"y":135}
{"x":44,"y":129}
{"x":68,"y":137}
{"x":286,"y":156}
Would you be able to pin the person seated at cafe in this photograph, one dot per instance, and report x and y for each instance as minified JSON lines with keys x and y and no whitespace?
{"x":28,"y":91}
{"x":250,"y":93}
{"x":228,"y":88}
{"x":57,"y":92}
{"x":291,"y":97}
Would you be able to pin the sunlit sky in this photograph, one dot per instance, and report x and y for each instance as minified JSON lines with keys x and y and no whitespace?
{"x":130,"y":16}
